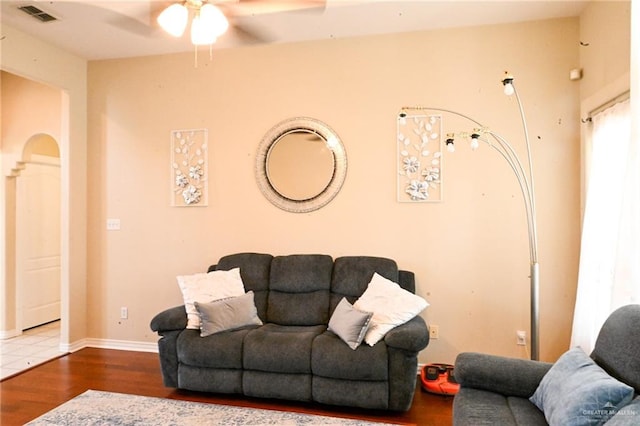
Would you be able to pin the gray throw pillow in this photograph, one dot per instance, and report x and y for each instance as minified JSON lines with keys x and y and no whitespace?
{"x":576,"y":391}
{"x":349,"y":323}
{"x":227,"y":314}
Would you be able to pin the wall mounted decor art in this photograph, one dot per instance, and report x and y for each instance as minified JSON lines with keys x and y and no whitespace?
{"x":301,"y":164}
{"x":189,"y":167}
{"x":419,"y":142}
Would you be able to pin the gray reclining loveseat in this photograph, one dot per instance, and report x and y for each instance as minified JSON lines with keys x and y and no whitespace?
{"x":293,"y":355}
{"x":496,"y":390}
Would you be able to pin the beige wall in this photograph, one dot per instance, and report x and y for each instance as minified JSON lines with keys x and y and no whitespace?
{"x":635,"y":74}
{"x":605,"y":33}
{"x":34,"y":59}
{"x":469,"y":252}
{"x":605,"y":56}
{"x":28,"y":108}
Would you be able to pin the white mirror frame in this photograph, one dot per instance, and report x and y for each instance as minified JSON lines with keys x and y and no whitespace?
{"x":339,"y":164}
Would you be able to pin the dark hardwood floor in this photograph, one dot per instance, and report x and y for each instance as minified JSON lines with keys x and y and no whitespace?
{"x":34,"y":392}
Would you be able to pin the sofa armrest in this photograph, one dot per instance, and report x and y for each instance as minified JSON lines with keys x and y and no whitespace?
{"x":506,"y":376}
{"x":412,"y":336}
{"x":170,"y":319}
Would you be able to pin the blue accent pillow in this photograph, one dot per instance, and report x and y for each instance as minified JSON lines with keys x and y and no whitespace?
{"x":629,"y":415}
{"x":576,"y":391}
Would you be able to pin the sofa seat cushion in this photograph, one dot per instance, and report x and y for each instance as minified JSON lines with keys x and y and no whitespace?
{"x":221,"y":350}
{"x":480,"y":407}
{"x":205,"y":379}
{"x":353,"y":393}
{"x":262,"y":384}
{"x":330,"y":357}
{"x":280,"y":349}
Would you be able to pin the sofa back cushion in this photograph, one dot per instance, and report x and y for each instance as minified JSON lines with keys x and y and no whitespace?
{"x":304,"y":289}
{"x":352,"y":274}
{"x":299,"y":289}
{"x":255,"y":269}
{"x":618,"y":345}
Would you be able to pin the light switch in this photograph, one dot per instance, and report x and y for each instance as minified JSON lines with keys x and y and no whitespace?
{"x":113,"y":224}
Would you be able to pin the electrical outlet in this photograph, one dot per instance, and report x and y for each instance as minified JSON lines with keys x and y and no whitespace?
{"x":521,"y":338}
{"x":124,"y":312}
{"x":434,"y":331}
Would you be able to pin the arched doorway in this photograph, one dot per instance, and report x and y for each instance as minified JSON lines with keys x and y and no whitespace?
{"x":37,"y":234}
{"x":34,"y":245}
{"x":66,"y":121}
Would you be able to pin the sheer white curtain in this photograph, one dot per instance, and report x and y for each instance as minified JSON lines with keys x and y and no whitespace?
{"x":609,"y":275}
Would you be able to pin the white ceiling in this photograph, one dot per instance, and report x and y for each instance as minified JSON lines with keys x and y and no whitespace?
{"x":116,"y":29}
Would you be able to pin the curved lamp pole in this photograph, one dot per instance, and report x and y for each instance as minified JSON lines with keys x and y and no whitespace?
{"x":526,"y":183}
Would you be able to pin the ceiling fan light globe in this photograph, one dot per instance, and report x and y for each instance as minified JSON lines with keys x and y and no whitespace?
{"x":201,"y":33}
{"x":213,"y":19}
{"x":174,"y":19}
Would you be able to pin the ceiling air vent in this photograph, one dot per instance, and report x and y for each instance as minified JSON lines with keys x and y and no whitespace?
{"x":39,"y":14}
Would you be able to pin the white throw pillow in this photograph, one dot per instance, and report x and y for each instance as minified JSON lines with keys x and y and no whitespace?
{"x":391,"y":306}
{"x":207,"y":287}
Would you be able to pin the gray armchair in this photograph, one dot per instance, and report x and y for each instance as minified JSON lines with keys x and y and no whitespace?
{"x":496,"y":390}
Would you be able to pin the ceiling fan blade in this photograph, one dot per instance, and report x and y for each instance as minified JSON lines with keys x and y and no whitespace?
{"x":142,"y":22}
{"x":237,"y":10}
{"x":276,"y":6}
{"x":132,"y":25}
{"x":156,"y":8}
{"x":248,"y":35}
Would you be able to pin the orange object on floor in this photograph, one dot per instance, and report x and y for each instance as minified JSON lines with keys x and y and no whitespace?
{"x":439,"y":379}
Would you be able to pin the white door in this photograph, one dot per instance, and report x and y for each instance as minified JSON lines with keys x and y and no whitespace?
{"x":38,"y":242}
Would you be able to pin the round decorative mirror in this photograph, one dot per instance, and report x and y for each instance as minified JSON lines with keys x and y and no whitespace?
{"x":301,"y":164}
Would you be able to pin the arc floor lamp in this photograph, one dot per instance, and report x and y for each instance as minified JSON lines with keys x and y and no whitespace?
{"x":524,"y":175}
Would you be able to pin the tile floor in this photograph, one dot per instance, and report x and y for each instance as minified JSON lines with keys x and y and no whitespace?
{"x":33,"y":347}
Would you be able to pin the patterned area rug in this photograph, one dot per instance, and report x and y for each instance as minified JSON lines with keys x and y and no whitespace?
{"x":94,"y":408}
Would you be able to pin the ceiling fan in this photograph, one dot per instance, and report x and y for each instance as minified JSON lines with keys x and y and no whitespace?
{"x":210,"y":18}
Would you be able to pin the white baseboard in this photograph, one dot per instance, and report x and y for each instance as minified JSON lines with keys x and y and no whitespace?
{"x":123,"y":345}
{"x":75,"y":346}
{"x":8,"y":334}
